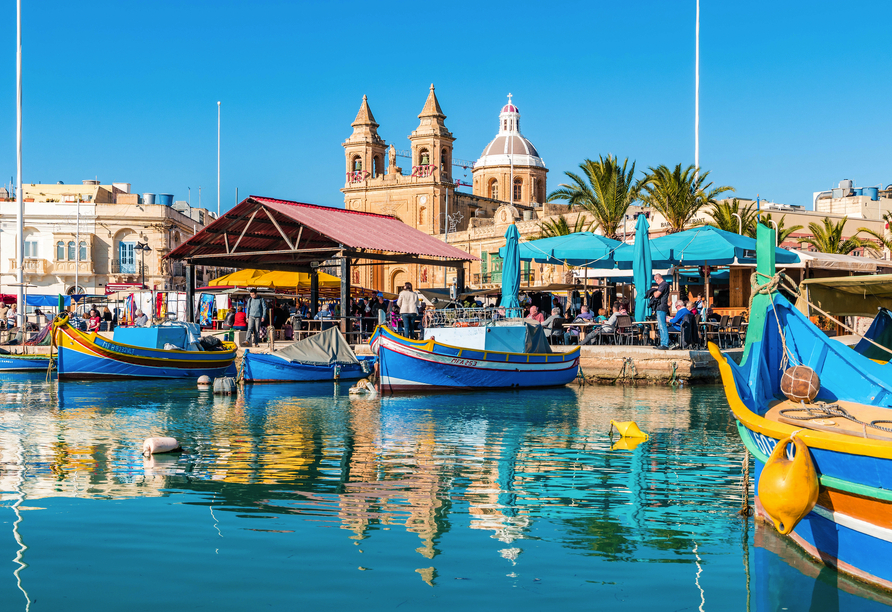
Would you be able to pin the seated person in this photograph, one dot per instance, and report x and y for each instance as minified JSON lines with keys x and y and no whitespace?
{"x":608,"y":328}
{"x":93,"y":321}
{"x":554,"y":324}
{"x":681,"y":309}
{"x":602,"y":315}
{"x":585,"y":316}
{"x":141,"y":319}
{"x":536,"y":315}
{"x":240,"y":321}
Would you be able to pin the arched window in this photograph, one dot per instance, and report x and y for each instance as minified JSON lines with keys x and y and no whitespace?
{"x":425,"y":158}
{"x":357,"y":164}
{"x":60,"y":251}
{"x":82,"y":247}
{"x":494,"y":189}
{"x":505,"y":125}
{"x":376,"y":166}
{"x":518,"y":188}
{"x":421,"y":216}
{"x":71,"y":251}
{"x":444,"y":164}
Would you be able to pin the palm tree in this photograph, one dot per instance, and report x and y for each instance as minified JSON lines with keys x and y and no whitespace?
{"x":722,"y":214}
{"x":559,"y":226}
{"x":679,"y":194}
{"x":782,"y":232}
{"x":827,"y":238}
{"x":605,"y":190}
{"x":881,"y":237}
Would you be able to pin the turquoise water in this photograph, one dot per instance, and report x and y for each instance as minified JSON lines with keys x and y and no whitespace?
{"x":298,"y":497}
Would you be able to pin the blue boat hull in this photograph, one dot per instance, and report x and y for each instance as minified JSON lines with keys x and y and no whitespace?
{"x":260,"y":367}
{"x":23,"y":364}
{"x":408,"y":365}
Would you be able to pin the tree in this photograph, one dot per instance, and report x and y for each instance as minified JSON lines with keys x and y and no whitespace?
{"x":722,"y":214}
{"x":605,"y":189}
{"x":679,"y":194}
{"x":782,"y":232}
{"x":827,"y":238}
{"x":881,"y":237}
{"x":559,"y":226}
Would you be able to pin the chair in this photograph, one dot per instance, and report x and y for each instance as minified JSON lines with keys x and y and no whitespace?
{"x":626,"y":332}
{"x":717,"y":332}
{"x":734,"y":331}
{"x":555,"y":331}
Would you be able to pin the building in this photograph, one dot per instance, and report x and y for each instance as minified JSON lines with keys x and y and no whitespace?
{"x":427,"y":196}
{"x":87,"y":238}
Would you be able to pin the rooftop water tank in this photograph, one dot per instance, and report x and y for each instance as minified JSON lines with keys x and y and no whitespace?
{"x":148,"y":198}
{"x":846,"y":184}
{"x":873,"y":192}
{"x":165,"y":199}
{"x":90,"y":182}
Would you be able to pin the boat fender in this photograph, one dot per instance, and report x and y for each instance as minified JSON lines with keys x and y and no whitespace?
{"x":204,"y":381}
{"x":788,"y":489}
{"x":153,"y":446}
{"x":362,"y":386}
{"x":225,"y":385}
{"x":800,"y":384}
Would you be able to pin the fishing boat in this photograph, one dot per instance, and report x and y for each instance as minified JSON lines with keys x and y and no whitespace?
{"x":823,"y":449}
{"x":324,"y":356}
{"x":472,"y":357}
{"x":164,"y":351}
{"x":23,"y":363}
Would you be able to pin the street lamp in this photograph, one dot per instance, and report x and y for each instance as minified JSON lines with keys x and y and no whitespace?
{"x":143,"y":248}
{"x":739,"y":223}
{"x":773,"y":222}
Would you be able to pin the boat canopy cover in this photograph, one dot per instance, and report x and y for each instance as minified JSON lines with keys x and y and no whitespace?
{"x":536,"y":341}
{"x":326,"y":348}
{"x":847,"y":296}
{"x":880,"y":332}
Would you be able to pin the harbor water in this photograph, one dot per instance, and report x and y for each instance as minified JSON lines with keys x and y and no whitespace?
{"x":300,"y":497}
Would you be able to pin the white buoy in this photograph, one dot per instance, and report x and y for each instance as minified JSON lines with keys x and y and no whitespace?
{"x":159,"y":445}
{"x":204,"y":382}
{"x":225,"y":386}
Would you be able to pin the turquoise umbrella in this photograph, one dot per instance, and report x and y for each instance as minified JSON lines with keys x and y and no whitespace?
{"x":576,"y":249}
{"x":511,"y":271}
{"x":642,"y":270}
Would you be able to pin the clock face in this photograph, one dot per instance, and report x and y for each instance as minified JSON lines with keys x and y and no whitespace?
{"x":423,"y":199}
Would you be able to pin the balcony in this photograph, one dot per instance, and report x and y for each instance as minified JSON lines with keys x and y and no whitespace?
{"x":33,"y":266}
{"x":70,"y":268}
{"x":127,"y":267}
{"x":495,"y":278}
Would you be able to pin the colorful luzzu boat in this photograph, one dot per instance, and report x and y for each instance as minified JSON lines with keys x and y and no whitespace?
{"x":836,"y":500}
{"x":88,"y":355}
{"x":24,"y":363}
{"x":429,"y":365}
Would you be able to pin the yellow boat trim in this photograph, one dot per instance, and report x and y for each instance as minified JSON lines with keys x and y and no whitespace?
{"x":422,"y":343}
{"x":840,"y":443}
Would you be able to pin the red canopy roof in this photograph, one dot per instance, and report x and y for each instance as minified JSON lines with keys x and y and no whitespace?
{"x":281,"y":235}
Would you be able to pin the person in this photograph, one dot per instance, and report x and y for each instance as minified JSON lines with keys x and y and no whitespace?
{"x":698,"y":304}
{"x":662,"y":310}
{"x":378,"y":305}
{"x":408,"y":305}
{"x":11,"y":316}
{"x":585,"y":316}
{"x":556,"y":303}
{"x":608,"y":328}
{"x":107,"y":319}
{"x":554,"y":324}
{"x":240,"y":321}
{"x":602,"y":315}
{"x":141,"y":319}
{"x":536,"y":315}
{"x":4,"y":309}
{"x":621,"y":308}
{"x":255,"y":310}
{"x":324,"y":313}
{"x":681,"y":309}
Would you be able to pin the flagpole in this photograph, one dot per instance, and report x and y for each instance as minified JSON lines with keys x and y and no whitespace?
{"x":218,"y":159}
{"x":697,"y":98}
{"x":20,"y":210}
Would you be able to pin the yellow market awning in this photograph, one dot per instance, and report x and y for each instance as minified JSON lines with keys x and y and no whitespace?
{"x":858,"y":296}
{"x":239,"y":278}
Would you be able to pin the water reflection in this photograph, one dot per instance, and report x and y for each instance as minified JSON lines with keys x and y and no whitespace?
{"x":519,"y":469}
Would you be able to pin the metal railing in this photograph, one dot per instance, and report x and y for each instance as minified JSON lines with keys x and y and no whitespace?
{"x":496,"y":277}
{"x":126,"y":267}
{"x":470,"y":317}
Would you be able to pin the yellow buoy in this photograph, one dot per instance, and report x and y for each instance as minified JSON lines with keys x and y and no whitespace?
{"x":788,"y":489}
{"x":628,"y":429}
{"x":627,"y":443}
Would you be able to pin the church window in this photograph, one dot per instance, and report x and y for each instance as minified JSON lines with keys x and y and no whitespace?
{"x":518,"y":188}
{"x":357,"y":164}
{"x":376,"y":166}
{"x":425,"y":157}
{"x":71,"y":251}
{"x":494,"y":189}
{"x":444,"y":164}
{"x":421,"y":216}
{"x":505,"y":125}
{"x":60,"y":251}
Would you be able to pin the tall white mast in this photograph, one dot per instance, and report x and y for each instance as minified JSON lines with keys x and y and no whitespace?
{"x":20,"y":210}
{"x":697,"y":98}
{"x":510,"y":160}
{"x":218,"y":159}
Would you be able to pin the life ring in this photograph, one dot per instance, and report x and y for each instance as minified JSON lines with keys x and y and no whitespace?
{"x":466,"y":324}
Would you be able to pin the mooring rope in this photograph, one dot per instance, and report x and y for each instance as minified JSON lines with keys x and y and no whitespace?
{"x":822,"y":410}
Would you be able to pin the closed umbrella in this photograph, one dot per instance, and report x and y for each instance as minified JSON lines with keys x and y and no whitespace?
{"x":511,"y":272}
{"x":642,"y":268}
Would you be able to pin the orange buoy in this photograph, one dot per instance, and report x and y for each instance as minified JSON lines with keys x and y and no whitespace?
{"x":788,"y":489}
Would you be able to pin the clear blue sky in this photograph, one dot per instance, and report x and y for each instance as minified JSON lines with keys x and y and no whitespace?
{"x":795,"y":96}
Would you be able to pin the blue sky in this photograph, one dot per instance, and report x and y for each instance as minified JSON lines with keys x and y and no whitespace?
{"x":794,"y":95}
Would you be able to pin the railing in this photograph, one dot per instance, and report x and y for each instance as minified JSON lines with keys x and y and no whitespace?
{"x":470,"y":317}
{"x":32,"y":266}
{"x":65,"y":267}
{"x":496,"y":277}
{"x":126,"y":267}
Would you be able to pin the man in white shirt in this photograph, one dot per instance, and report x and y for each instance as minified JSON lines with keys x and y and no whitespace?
{"x":408,"y":305}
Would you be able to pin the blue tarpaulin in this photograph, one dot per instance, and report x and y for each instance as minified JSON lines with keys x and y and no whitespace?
{"x":511,"y":271}
{"x":47,"y":301}
{"x":642,"y":270}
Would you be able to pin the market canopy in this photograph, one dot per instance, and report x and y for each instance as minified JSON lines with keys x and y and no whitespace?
{"x":847,"y":296}
{"x":700,"y":246}
{"x":283,"y":235}
{"x":576,"y":249}
{"x":273,"y":279}
{"x":842,"y":263}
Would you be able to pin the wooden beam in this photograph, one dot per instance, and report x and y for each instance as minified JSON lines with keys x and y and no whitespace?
{"x":299,"y":234}
{"x":247,"y":225}
{"x":226,"y":240}
{"x":275,"y":252}
{"x":408,"y":259}
{"x":281,"y":233}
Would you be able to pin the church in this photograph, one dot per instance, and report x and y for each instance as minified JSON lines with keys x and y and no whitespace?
{"x":509,"y":185}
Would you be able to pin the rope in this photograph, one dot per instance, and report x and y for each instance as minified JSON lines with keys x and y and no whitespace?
{"x":769,"y":288}
{"x":745,"y":509}
{"x":822,"y":410}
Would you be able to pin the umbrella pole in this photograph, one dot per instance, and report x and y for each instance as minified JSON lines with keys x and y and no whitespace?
{"x":706,"y":275}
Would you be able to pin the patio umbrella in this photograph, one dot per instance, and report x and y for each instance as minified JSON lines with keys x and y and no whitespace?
{"x":239,"y":278}
{"x":511,"y":271}
{"x":576,"y":249}
{"x":642,"y":268}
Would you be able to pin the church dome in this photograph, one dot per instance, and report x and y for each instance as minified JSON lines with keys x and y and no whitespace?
{"x":509,"y":146}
